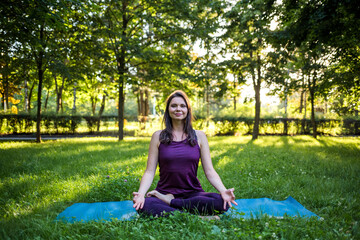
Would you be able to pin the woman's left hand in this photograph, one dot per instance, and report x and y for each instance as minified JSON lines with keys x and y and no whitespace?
{"x":228,"y":197}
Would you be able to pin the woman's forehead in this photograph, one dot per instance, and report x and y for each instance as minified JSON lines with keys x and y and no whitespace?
{"x":177,"y":100}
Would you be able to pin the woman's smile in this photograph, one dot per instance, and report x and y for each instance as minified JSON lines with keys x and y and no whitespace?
{"x":178,"y":108}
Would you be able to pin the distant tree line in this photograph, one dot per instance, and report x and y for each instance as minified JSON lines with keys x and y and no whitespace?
{"x":19,"y":124}
{"x":104,"y":49}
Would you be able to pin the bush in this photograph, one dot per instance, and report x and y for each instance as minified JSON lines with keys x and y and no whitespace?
{"x":69,"y":124}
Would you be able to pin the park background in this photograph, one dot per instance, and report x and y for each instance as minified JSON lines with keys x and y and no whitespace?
{"x":251,"y":69}
{"x":294,"y":64}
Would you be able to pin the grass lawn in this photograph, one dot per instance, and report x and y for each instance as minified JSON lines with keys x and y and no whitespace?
{"x":38,"y":181}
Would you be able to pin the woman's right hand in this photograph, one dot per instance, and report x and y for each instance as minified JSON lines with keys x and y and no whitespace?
{"x":138,"y":200}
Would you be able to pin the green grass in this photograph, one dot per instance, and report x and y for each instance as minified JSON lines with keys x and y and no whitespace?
{"x":38,"y":181}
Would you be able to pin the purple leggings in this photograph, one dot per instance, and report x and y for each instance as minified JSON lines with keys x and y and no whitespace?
{"x":201,"y":203}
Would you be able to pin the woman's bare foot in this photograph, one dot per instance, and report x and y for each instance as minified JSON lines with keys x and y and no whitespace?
{"x":208,"y":218}
{"x":163,"y":197}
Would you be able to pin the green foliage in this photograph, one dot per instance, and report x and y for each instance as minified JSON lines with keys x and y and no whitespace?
{"x":218,"y":125}
{"x":114,"y":48}
{"x":24,"y":123}
{"x":317,"y":40}
{"x":40,"y":181}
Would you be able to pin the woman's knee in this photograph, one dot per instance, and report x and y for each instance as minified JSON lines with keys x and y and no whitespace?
{"x":155,"y":207}
{"x":148,"y":205}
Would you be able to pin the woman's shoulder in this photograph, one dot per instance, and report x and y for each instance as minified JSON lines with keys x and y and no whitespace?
{"x":156,"y":134}
{"x":155,"y":138}
{"x":200,"y":134}
{"x":200,"y":137}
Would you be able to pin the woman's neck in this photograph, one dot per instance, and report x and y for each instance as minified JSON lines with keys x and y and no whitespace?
{"x":178,"y":126}
{"x":178,"y":130}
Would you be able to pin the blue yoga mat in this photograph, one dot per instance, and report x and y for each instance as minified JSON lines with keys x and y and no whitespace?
{"x":253,"y":208}
{"x":123,"y":210}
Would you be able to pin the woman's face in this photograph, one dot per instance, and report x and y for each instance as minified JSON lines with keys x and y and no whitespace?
{"x":178,"y":109}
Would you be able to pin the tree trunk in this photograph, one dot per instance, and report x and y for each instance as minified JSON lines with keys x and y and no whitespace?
{"x":142,"y":107}
{"x":6,"y":94}
{"x":102,"y":107}
{"x":312,"y":100}
{"x":30,"y":95}
{"x":26,"y":95}
{"x":234,"y":98}
{"x":38,"y":120}
{"x":122,"y":71}
{"x":93,"y":101}
{"x":59,"y":91}
{"x":304,"y":117}
{"x":2,"y":101}
{"x":40,"y":75}
{"x":257,"y":86}
{"x":301,"y":101}
{"x":146,"y":102}
{"x":257,"y":111}
{"x":305,"y":105}
{"x":303,"y":92}
{"x":286,"y":103}
{"x":207,"y":99}
{"x":74,"y":104}
{"x":326,"y":107}
{"x":121,"y":108}
{"x":6,"y":89}
{"x":46,"y":100}
{"x":138,"y":102}
{"x":57,"y":95}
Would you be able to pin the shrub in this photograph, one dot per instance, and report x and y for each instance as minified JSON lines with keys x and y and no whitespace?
{"x":69,"y":124}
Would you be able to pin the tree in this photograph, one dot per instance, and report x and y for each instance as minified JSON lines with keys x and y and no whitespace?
{"x":209,"y":78}
{"x":324,"y":34}
{"x":135,"y":31}
{"x":245,"y":38}
{"x":34,"y":25}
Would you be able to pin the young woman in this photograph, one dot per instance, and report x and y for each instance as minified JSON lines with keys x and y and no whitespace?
{"x":177,"y":149}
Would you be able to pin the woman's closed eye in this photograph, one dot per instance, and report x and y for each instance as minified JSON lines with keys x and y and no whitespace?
{"x":182,"y":106}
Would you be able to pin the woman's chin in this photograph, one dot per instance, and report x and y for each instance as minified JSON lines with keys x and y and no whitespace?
{"x":178,"y":117}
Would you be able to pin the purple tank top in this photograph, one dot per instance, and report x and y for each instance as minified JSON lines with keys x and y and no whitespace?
{"x":178,"y":163}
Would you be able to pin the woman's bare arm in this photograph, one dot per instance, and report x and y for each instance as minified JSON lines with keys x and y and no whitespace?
{"x":148,"y":177}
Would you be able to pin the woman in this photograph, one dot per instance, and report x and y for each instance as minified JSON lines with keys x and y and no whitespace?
{"x":177,"y":149}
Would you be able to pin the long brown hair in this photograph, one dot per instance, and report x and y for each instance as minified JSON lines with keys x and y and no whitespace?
{"x":166,"y":135}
